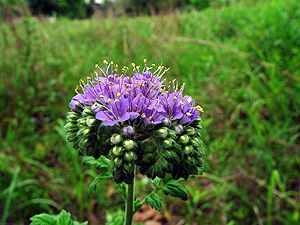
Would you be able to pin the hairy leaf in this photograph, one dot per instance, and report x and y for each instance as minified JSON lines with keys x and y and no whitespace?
{"x":175,"y":189}
{"x":154,"y":200}
{"x":43,"y":219}
{"x":93,"y":185}
{"x":101,"y":163}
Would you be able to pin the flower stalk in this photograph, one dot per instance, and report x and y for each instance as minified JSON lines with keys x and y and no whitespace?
{"x":129,"y":203}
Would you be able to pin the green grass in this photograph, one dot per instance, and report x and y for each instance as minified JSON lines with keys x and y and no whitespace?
{"x":242,"y":65}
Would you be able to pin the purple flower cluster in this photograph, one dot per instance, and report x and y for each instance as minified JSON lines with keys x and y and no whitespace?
{"x":116,"y":99}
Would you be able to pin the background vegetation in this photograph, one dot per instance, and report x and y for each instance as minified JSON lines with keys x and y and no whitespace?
{"x":240,"y":62}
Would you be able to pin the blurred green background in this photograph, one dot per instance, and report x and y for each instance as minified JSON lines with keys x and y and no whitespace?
{"x":240,"y":60}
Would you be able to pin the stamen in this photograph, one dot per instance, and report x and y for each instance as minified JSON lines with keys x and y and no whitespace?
{"x":101,"y":96}
{"x":188,"y":114}
{"x":115,"y":100}
{"x":200,"y":109}
{"x":109,"y":100}
{"x":127,"y":93}
{"x":118,"y":95}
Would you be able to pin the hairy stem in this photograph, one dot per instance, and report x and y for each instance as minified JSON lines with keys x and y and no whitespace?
{"x":129,"y":203}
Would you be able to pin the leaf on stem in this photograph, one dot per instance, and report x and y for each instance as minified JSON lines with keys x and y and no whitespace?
{"x":154,"y":200}
{"x":101,"y":163}
{"x":175,"y":189}
{"x":93,"y":186}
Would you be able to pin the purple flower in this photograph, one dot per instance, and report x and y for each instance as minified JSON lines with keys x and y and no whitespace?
{"x":119,"y":100}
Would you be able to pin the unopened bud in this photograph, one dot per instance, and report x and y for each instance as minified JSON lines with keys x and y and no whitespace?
{"x":117,"y":150}
{"x":161,"y":133}
{"x":88,"y":112}
{"x":172,"y":134}
{"x":84,"y":132}
{"x":118,"y":161}
{"x":196,"y":142}
{"x":178,"y":128}
{"x":129,"y":156}
{"x":129,"y":144}
{"x":128,"y":131}
{"x":116,"y":139}
{"x":72,"y":116}
{"x":91,"y":122}
{"x":167,"y":143}
{"x":188,"y":149}
{"x":190,"y":131}
{"x":184,"y":139}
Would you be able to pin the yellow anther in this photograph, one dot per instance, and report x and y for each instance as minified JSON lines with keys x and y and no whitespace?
{"x":143,"y":114}
{"x":88,"y":78}
{"x":163,"y":94}
{"x":109,"y":87}
{"x":96,"y":66}
{"x":183,"y":84}
{"x":175,"y":98}
{"x":81,"y":81}
{"x":151,"y":91}
{"x":111,"y":62}
{"x":109,"y":100}
{"x":169,"y":82}
{"x":133,"y":64}
{"x":159,"y":67}
{"x":118,"y":95}
{"x":141,"y":94}
{"x":115,"y":100}
{"x":150,"y":117}
{"x":101,"y":96}
{"x":149,"y":79}
{"x":168,"y":103}
{"x":138,"y":67}
{"x":127,"y":93}
{"x":145,"y":60}
{"x":105,"y":62}
{"x":181,"y":102}
{"x":174,"y":80}
{"x":96,"y":74}
{"x":76,"y":90}
{"x":117,"y":65}
{"x":153,"y":64}
{"x":200,"y":109}
{"x":188,"y":114}
{"x":117,"y":88}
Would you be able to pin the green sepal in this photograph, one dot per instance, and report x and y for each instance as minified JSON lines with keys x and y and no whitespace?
{"x":93,"y":185}
{"x":175,"y":189}
{"x":154,"y":201}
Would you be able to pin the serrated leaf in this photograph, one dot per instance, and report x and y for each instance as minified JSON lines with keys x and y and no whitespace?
{"x":154,"y":200}
{"x":43,"y":219}
{"x":64,"y":218}
{"x":93,"y":185}
{"x":175,"y":189}
{"x":156,"y":182}
{"x":137,"y":205}
{"x":101,"y":163}
{"x":78,"y":223}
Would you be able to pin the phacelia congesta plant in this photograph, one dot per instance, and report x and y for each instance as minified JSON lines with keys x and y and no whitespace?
{"x":135,"y":120}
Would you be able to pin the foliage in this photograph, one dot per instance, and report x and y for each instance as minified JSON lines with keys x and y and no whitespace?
{"x":240,"y":61}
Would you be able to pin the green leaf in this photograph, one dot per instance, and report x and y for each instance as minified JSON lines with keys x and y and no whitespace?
{"x":78,"y":223}
{"x":154,"y":200}
{"x":93,"y":186}
{"x":43,"y":219}
{"x":137,"y":205}
{"x":64,"y":218}
{"x":101,"y":163}
{"x":156,"y":182}
{"x":175,"y":189}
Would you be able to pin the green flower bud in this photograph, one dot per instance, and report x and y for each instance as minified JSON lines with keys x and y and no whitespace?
{"x":167,"y":143}
{"x":118,"y":162}
{"x":190,"y":131}
{"x":84,"y":142}
{"x":71,"y":136}
{"x":81,"y":122}
{"x":161,"y":133}
{"x":172,"y":134}
{"x":71,"y":127}
{"x":116,"y":139}
{"x":72,"y":116}
{"x":178,"y":128}
{"x":129,"y":156}
{"x":188,"y":149}
{"x":83,"y":132}
{"x":196,"y":142}
{"x":129,"y":144}
{"x":88,"y":112}
{"x":184,"y":139}
{"x":117,"y":150}
{"x":90,"y":122}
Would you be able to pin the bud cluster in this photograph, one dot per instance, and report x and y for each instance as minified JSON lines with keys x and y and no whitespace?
{"x":123,"y":156}
{"x":87,"y":134}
